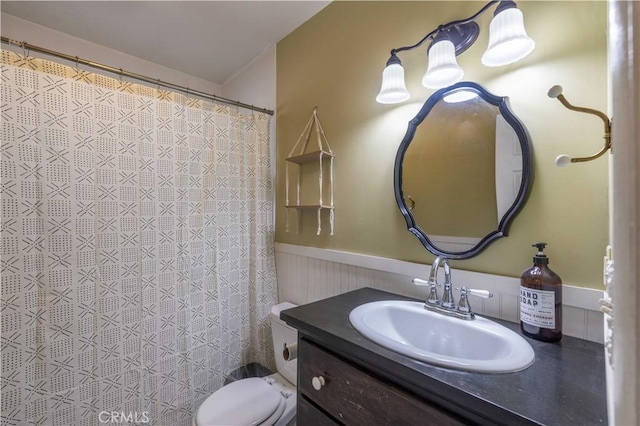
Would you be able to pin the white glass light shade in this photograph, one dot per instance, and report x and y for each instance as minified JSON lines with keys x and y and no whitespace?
{"x":443,"y":69}
{"x":393,"y":89}
{"x":508,"y":40}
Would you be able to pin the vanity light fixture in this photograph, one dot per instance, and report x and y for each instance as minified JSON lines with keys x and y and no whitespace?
{"x":508,"y":43}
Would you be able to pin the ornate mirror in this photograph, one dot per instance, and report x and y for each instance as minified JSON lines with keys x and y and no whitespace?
{"x":463,"y":170}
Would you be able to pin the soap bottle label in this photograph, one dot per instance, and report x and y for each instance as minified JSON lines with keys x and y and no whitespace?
{"x":538,"y":307}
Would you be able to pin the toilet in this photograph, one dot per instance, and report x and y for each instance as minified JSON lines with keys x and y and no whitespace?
{"x":264,"y":401}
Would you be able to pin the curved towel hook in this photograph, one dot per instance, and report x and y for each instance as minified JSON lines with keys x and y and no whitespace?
{"x":564,"y":160}
{"x":412,"y":202}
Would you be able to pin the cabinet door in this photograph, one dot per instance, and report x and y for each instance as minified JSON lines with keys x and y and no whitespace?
{"x":308,"y":414}
{"x":353,"y":397}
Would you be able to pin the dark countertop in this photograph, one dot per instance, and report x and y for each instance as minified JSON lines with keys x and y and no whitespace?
{"x":564,"y":386}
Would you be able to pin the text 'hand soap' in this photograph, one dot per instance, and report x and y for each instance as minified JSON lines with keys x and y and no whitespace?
{"x":541,"y":300}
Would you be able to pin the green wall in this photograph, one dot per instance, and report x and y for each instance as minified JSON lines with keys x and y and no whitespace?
{"x":335,"y":60}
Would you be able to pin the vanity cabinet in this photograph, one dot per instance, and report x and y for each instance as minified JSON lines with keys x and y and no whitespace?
{"x":358,"y":382}
{"x":332,"y":391}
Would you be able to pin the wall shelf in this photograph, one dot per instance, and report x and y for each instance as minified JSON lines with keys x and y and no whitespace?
{"x":321,"y":155}
{"x":310,"y":157}
{"x":308,"y":207}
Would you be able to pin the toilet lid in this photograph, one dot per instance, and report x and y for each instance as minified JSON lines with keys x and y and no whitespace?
{"x":271,"y":420}
{"x":244,"y":402}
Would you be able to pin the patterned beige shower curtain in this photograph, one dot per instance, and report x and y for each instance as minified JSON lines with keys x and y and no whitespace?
{"x":137,"y":247}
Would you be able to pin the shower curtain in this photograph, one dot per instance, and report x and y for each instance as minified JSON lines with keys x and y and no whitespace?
{"x":137,"y":247}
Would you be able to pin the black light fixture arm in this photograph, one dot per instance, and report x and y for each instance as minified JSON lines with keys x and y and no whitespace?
{"x":432,"y":34}
{"x":418,"y":44}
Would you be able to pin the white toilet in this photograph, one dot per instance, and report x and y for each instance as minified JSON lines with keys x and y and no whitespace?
{"x":266,"y":401}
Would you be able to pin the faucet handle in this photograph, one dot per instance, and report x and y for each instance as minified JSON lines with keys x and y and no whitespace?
{"x":463,"y":305}
{"x":485,"y":294}
{"x":432,"y":297}
{"x":418,"y":281}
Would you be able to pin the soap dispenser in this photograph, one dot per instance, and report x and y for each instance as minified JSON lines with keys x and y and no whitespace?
{"x":541,"y":300}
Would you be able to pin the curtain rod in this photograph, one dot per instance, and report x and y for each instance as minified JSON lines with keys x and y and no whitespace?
{"x":140,"y":77}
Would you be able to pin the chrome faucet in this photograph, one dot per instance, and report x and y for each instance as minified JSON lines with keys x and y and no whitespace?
{"x":446,"y":305}
{"x":447,"y":296}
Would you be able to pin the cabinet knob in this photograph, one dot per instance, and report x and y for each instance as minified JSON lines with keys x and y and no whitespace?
{"x":317,"y":382}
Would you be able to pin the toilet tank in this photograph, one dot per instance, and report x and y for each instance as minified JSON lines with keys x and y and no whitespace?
{"x":283,"y":334}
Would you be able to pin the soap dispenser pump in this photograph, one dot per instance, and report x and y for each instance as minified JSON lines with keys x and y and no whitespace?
{"x":541,"y":300}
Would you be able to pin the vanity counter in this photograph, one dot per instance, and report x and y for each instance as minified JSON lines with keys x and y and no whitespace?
{"x":564,"y":386}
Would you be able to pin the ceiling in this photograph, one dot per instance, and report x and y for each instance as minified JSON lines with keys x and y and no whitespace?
{"x":212,"y":40}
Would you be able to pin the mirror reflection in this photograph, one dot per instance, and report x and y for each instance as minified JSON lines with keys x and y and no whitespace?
{"x":461,"y":170}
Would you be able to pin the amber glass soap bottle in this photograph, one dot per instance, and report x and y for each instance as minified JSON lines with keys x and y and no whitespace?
{"x":541,"y":300}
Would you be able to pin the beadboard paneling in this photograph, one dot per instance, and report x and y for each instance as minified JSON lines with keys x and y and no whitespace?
{"x":307,"y":274}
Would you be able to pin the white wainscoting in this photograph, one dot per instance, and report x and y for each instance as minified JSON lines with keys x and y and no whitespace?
{"x":307,"y":274}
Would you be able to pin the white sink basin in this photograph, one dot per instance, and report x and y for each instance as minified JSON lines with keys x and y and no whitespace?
{"x":408,"y":328}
